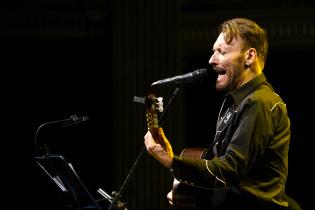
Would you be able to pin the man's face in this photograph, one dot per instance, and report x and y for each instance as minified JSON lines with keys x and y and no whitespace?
{"x":228,"y":60}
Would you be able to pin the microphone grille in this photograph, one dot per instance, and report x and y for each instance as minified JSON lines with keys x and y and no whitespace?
{"x":201,"y":73}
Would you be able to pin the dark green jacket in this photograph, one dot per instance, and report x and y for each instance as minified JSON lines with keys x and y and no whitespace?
{"x":249,"y":154}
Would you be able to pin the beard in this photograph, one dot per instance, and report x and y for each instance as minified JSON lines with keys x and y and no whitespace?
{"x":231,"y":77}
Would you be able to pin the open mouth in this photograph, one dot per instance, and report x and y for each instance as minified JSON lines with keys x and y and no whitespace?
{"x":220,"y":71}
{"x":223,"y":72}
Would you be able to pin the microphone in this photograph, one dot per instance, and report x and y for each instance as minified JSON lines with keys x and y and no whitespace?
{"x":195,"y":76}
{"x":73,"y":119}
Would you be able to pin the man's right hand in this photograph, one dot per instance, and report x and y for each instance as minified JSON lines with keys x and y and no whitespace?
{"x":163,"y":154}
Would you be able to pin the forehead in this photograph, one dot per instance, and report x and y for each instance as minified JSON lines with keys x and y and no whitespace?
{"x":221,"y":43}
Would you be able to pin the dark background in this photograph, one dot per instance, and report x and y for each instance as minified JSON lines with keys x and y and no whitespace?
{"x":90,"y":58}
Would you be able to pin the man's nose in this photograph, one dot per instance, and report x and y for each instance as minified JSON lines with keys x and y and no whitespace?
{"x":213,"y":60}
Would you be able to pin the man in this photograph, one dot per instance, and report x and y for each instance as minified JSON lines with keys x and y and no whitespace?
{"x":246,"y":166}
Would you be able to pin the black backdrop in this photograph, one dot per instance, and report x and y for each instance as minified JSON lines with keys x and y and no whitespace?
{"x":59,"y":60}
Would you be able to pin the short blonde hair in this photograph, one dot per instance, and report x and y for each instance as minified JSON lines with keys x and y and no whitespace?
{"x":252,"y":34}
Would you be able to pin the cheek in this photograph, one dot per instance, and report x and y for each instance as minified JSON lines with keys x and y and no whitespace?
{"x":240,"y":60}
{"x":225,"y":62}
{"x":234,"y":63}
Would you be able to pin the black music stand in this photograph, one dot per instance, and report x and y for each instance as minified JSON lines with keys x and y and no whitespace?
{"x":67,"y":183}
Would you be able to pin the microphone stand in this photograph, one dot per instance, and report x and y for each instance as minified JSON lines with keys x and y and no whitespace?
{"x":72,"y":120}
{"x":116,"y":202}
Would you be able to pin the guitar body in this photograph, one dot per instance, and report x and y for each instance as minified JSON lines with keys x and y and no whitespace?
{"x":187,"y":197}
{"x":198,"y":153}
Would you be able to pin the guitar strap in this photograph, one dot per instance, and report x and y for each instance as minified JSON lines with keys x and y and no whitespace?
{"x":226,"y":114}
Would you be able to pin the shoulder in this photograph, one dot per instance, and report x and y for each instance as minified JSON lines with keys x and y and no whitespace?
{"x":265,"y":94}
{"x":264,"y":97}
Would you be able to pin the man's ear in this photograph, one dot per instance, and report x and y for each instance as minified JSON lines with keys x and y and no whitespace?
{"x":251,"y":56}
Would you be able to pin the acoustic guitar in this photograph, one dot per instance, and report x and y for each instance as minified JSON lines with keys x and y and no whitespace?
{"x":185,"y":197}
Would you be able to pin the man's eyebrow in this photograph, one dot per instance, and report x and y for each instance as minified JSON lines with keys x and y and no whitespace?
{"x":216,"y":48}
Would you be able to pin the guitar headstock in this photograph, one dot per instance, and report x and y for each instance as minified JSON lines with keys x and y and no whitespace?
{"x":153,"y":106}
